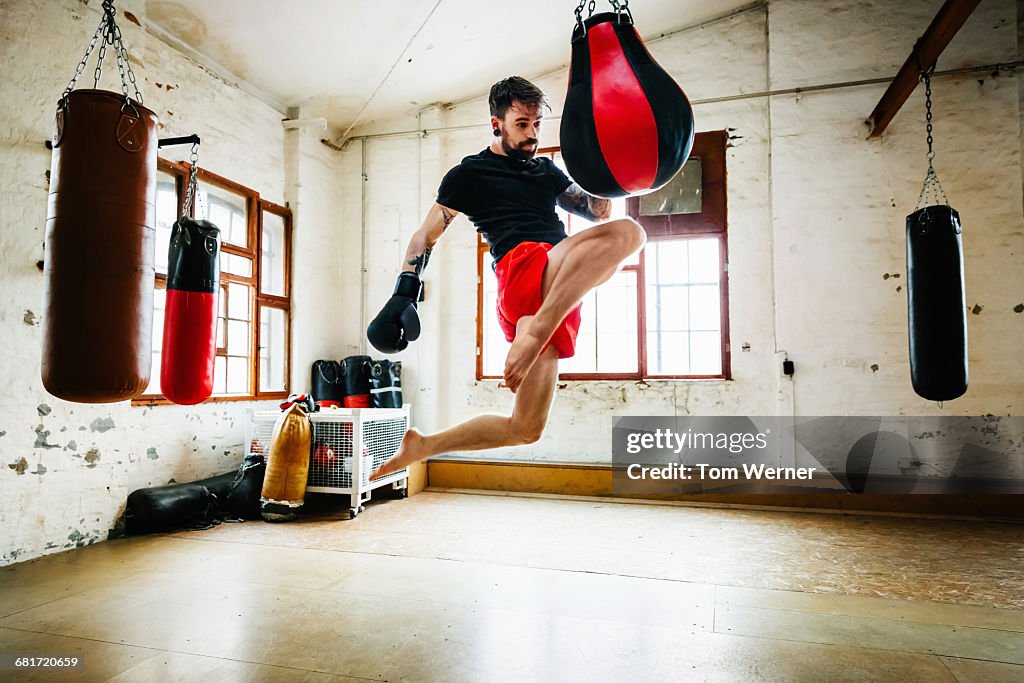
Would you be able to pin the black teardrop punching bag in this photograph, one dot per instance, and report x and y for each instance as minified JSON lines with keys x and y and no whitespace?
{"x":936,"y":304}
{"x":627,"y":126}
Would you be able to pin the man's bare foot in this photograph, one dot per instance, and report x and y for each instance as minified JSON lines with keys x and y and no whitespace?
{"x":525,"y":351}
{"x":411,"y":451}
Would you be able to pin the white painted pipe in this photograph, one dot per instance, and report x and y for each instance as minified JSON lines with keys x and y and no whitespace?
{"x":290,"y":124}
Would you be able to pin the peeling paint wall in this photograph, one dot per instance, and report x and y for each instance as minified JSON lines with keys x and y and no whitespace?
{"x":816,"y":224}
{"x":66,"y":469}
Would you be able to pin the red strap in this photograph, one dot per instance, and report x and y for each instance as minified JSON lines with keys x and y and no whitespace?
{"x":626,"y":129}
{"x":358,"y":401}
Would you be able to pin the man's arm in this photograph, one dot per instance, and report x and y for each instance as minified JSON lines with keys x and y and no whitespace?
{"x":398,"y":323}
{"x":576,"y":200}
{"x":437,"y":221}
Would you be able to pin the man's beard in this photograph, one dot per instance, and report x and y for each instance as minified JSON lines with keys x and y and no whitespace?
{"x":516,"y":152}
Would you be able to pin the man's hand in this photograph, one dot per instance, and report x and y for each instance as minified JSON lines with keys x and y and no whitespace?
{"x":577,"y":201}
{"x":398,"y":323}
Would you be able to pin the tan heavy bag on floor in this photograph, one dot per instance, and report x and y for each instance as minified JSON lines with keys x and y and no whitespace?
{"x":284,"y":485}
{"x":98,"y":263}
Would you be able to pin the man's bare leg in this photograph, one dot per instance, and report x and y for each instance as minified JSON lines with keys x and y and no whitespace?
{"x":523,"y":426}
{"x":576,"y":265}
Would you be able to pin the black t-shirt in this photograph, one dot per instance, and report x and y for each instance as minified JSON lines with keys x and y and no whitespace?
{"x":508,"y":200}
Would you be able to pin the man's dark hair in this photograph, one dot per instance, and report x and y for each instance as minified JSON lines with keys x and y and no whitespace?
{"x":514,"y":89}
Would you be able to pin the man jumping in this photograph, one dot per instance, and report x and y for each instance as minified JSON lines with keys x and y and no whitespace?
{"x":543,"y":274}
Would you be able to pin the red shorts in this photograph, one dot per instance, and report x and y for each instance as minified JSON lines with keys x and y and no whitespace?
{"x":520,"y":275}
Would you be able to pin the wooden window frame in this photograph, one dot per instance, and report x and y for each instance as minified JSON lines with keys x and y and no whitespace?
{"x":711,"y":222}
{"x":255,"y":206}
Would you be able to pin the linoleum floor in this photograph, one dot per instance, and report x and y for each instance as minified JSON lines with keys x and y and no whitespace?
{"x":465,"y":587}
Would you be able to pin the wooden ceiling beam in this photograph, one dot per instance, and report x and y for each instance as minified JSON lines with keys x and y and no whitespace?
{"x":923,"y":57}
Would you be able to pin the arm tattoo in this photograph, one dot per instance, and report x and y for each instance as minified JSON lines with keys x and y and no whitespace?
{"x":447,"y":216}
{"x":421,"y":261}
{"x":576,"y":200}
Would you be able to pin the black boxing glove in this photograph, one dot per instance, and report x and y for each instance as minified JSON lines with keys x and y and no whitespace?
{"x":398,"y":323}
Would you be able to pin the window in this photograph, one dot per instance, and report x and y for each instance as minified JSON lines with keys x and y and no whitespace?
{"x":252,"y":347}
{"x":665,"y":313}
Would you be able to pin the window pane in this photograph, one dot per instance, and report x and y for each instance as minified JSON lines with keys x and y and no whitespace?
{"x":273,"y":254}
{"x":235,"y":264}
{"x":495,"y":347}
{"x":273,"y":344}
{"x":668,"y":307}
{"x":238,"y":301}
{"x":705,"y":353}
{"x":222,"y":334}
{"x":668,"y":353}
{"x":226,"y":210}
{"x":238,"y":375}
{"x":616,"y":324}
{"x":166,"y":203}
{"x":682,"y":194}
{"x":704,"y":260}
{"x":159,"y":306}
{"x":238,"y":338}
{"x":666,"y":262}
{"x":705,"y":308}
{"x":220,"y":375}
{"x":684,"y":314}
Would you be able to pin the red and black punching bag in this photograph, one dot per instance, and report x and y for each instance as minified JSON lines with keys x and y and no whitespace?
{"x":355,"y":381}
{"x":627,"y":126}
{"x":190,"y":315}
{"x":937,"y":320}
{"x":98,"y":266}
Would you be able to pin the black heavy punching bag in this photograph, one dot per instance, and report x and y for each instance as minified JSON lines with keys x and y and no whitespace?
{"x":937,"y":310}
{"x":936,"y":304}
{"x":98,"y":264}
{"x":627,"y":127}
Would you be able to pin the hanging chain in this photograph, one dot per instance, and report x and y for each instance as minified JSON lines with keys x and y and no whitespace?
{"x":620,"y":7}
{"x":98,"y":71}
{"x":932,"y":190}
{"x":928,"y":114}
{"x":579,"y":11}
{"x":107,"y":33}
{"x":193,"y":182}
{"x":100,"y":30}
{"x":123,"y":64}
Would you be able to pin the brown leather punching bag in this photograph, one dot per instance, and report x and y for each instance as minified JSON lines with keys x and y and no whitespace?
{"x":98,"y":264}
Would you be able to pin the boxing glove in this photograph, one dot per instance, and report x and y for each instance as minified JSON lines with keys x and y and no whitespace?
{"x":398,"y":323}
